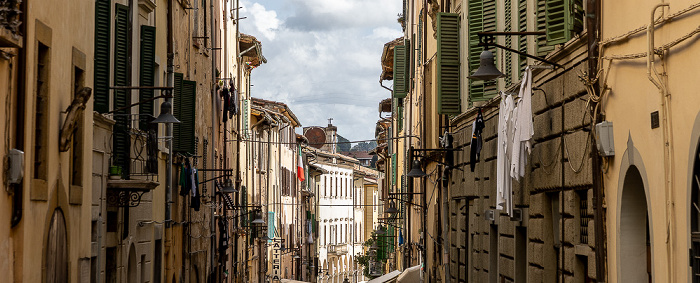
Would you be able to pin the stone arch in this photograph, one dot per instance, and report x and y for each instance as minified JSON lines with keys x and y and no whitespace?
{"x":634,"y":238}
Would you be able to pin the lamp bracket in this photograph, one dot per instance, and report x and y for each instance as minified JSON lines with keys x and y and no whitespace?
{"x":487,"y":39}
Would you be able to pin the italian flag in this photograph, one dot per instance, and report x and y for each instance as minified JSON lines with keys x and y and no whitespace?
{"x":300,"y":167}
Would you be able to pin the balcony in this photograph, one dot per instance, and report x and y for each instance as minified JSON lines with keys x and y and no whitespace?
{"x":10,"y":23}
{"x":337,"y":249}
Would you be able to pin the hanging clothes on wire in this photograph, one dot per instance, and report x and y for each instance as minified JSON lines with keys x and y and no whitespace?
{"x":504,"y":183}
{"x":227,"y":101}
{"x":524,"y":130}
{"x":195,"y":203}
{"x":185,"y":181}
{"x":233,"y":105}
{"x":476,"y":143}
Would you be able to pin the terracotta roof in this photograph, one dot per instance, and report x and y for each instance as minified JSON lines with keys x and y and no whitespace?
{"x":357,"y":154}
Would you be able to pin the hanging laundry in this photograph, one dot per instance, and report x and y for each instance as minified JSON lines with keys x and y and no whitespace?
{"x":476,"y":144}
{"x":185,"y":182}
{"x":227,"y":102}
{"x":195,"y":200}
{"x":504,"y":183}
{"x":524,"y":130}
{"x":233,"y":105}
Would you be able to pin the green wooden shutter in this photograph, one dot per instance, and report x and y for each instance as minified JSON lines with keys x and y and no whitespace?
{"x":102,"y":46}
{"x":177,"y":109}
{"x":399,"y":114}
{"x":522,"y":39}
{"x":564,"y":18}
{"x":146,"y":73}
{"x":246,"y":118}
{"x":394,"y":167}
{"x":121,"y":137}
{"x":420,"y":38}
{"x":481,"y":17}
{"x":271,"y":224}
{"x":400,"y":79}
{"x":448,"y":64}
{"x":508,"y":71}
{"x":146,"y":78}
{"x":187,"y":101}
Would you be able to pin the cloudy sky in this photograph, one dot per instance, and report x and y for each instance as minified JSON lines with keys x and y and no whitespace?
{"x":323,"y":58}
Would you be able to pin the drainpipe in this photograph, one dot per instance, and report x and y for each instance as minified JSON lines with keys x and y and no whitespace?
{"x":593,"y":27}
{"x":667,"y":135}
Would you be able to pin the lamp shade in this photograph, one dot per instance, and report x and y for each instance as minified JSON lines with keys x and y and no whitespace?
{"x":416,"y":171}
{"x":228,"y":187}
{"x":392,"y":208}
{"x":258,"y":219}
{"x":487,"y":70}
{"x":166,"y":115}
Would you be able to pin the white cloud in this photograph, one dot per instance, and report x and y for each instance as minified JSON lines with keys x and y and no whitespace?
{"x":265,"y":22}
{"x":324,"y":58}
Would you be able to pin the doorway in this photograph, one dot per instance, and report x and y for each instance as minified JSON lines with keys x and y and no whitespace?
{"x":634,"y":239}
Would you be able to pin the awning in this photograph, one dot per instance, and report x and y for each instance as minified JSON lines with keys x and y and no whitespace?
{"x":293,"y":281}
{"x":386,"y":278}
{"x":411,"y":274}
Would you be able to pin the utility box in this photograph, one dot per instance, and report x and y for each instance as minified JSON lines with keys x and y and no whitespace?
{"x":15,"y":171}
{"x":605,"y":141}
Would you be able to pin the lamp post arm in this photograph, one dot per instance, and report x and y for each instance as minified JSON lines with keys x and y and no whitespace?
{"x":487,"y":39}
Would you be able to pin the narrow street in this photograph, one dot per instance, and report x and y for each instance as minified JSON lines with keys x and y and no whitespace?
{"x":349,"y":141}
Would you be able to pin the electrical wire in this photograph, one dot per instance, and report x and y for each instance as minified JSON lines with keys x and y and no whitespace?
{"x":339,"y":142}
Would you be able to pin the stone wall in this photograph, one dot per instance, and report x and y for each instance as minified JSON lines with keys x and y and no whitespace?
{"x":555,"y":195}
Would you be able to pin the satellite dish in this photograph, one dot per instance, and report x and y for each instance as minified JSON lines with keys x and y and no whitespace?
{"x":316,"y":137}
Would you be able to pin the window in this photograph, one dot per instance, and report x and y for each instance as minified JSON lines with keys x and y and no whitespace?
{"x":42,"y":112}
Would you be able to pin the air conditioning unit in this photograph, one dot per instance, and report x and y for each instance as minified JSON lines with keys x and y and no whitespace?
{"x":16,"y":166}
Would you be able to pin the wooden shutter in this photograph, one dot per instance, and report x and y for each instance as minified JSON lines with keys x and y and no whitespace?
{"x":448,"y":64}
{"x":146,"y":78}
{"x":102,"y":46}
{"x":177,"y":109}
{"x":121,"y":143}
{"x":399,"y":114}
{"x":394,"y":166}
{"x":186,"y":100}
{"x":481,"y":17}
{"x":563,"y":18}
{"x":522,"y":40}
{"x":508,"y":60}
{"x":400,"y":79}
{"x":146,"y":73}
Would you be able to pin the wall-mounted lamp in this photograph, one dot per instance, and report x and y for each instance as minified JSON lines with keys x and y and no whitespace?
{"x":487,"y":70}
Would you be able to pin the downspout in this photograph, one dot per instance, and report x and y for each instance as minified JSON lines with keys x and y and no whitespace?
{"x":594,"y":32}
{"x":667,"y":135}
{"x":424,"y":187}
{"x":238,"y":149}
{"x":169,"y":133}
{"x":214,"y":129}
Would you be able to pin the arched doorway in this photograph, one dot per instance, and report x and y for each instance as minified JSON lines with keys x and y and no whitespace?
{"x":695,"y":216}
{"x":57,"y":249}
{"x":131,"y":268}
{"x":634,"y":238}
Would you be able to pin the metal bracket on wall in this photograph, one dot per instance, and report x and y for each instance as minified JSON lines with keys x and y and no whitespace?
{"x":124,"y":198}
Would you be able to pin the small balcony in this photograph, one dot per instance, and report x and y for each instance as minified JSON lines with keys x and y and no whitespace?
{"x":337,"y":249}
